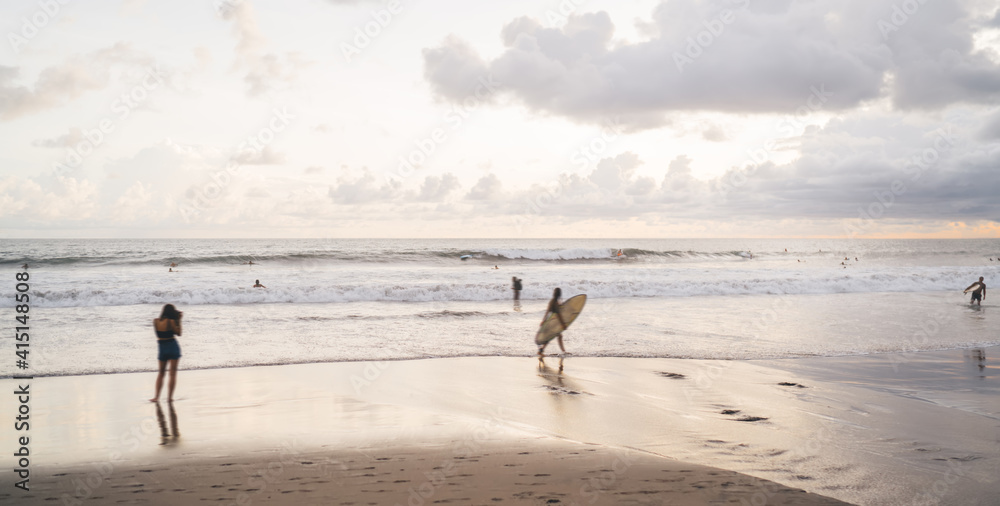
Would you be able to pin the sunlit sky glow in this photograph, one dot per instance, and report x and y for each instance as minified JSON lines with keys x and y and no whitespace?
{"x":572,"y":118}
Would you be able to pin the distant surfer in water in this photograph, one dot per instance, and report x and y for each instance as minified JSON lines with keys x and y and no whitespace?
{"x":517,"y":288}
{"x":553,"y":309}
{"x":979,"y":293}
{"x":257,"y":284}
{"x":25,"y":266}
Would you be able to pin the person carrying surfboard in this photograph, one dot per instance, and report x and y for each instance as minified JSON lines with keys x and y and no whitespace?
{"x":553,"y":309}
{"x":978,"y":291}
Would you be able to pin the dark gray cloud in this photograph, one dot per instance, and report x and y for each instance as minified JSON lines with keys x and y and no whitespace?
{"x":731,"y":56}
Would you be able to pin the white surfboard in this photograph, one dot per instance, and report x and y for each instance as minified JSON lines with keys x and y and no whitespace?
{"x":975,"y":286}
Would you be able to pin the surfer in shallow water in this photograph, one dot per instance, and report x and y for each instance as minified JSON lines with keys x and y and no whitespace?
{"x":978,"y":294}
{"x":517,"y":288}
{"x":553,"y":309}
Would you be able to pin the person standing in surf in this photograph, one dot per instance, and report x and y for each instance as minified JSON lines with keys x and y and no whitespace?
{"x":517,"y":288}
{"x":979,"y":293}
{"x":553,"y":308}
{"x":166,"y":327}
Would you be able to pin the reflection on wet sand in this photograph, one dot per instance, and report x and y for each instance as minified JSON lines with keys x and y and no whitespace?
{"x":558,"y":383}
{"x":168,"y":435}
{"x":976,"y":357}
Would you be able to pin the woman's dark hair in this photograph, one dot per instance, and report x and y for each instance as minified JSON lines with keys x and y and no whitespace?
{"x":169,"y":312}
{"x":556,"y":293}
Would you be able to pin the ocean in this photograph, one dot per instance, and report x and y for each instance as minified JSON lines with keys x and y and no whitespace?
{"x":92,"y":301}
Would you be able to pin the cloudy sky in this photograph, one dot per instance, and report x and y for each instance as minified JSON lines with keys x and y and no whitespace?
{"x":513,"y":118}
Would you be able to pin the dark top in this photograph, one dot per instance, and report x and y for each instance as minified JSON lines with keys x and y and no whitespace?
{"x":164,"y":334}
{"x":553,"y":306}
{"x":517,"y":285}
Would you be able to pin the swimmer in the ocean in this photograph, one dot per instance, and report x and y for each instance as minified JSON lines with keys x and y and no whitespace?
{"x":257,"y":284}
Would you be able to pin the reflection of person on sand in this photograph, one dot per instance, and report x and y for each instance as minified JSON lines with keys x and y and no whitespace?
{"x":517,"y":288}
{"x":166,"y":327}
{"x":167,"y":432}
{"x":553,"y":309}
{"x":543,"y":367}
{"x":979,"y":293}
{"x":257,"y":284}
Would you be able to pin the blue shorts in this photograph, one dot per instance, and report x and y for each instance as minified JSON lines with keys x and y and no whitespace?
{"x":169,"y":350}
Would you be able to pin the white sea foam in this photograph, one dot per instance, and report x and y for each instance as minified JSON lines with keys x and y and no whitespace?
{"x":323,"y":287}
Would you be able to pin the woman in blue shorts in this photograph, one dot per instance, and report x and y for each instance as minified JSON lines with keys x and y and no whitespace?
{"x":167,"y":326}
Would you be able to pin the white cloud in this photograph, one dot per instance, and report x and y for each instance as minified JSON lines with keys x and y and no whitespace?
{"x":487,"y":188}
{"x":363,"y":190}
{"x":60,"y":84}
{"x":437,"y":189}
{"x":263,"y":70}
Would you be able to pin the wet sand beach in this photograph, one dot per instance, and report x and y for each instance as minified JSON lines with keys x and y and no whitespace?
{"x":918,"y":428}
